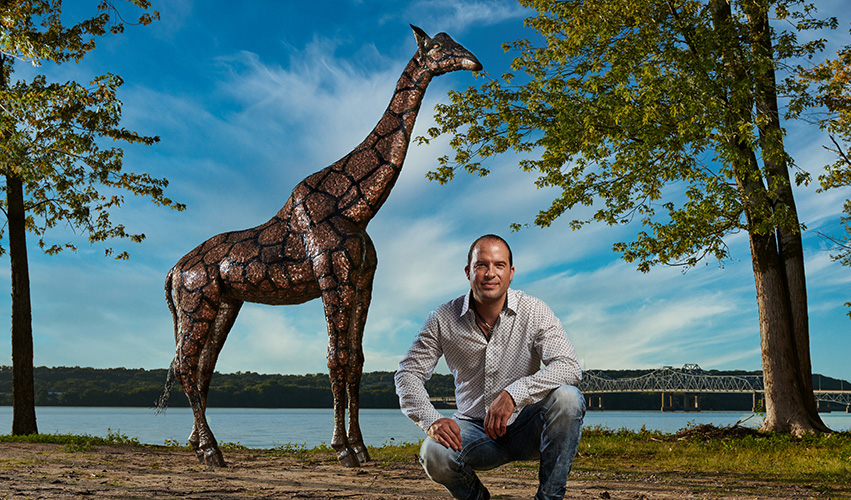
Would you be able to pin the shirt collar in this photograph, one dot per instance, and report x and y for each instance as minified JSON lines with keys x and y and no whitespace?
{"x":509,"y":306}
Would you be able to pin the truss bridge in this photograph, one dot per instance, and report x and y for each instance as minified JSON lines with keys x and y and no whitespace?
{"x":690,"y":380}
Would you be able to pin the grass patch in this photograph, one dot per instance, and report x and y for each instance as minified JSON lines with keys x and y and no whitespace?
{"x":178,"y":445}
{"x":323,"y":452}
{"x":813,"y":461}
{"x":387,"y":453}
{"x":391,"y":452}
{"x":228,"y":446}
{"x":73,"y":442}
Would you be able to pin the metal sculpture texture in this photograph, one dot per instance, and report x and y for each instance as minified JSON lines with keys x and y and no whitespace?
{"x":316,"y":246}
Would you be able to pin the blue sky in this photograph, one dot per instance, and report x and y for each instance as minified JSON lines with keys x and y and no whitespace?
{"x":250,"y":100}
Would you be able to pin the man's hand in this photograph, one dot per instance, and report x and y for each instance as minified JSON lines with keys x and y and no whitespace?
{"x":499,"y":412}
{"x":446,"y":432}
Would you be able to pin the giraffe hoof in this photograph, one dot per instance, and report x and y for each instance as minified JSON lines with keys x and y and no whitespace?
{"x":348,"y":458}
{"x":361,"y":453}
{"x":213,"y":457}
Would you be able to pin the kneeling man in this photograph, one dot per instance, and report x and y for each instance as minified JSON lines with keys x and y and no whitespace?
{"x":510,"y":407}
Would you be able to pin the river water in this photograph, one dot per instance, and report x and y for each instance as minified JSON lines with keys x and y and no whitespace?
{"x":268,"y":428}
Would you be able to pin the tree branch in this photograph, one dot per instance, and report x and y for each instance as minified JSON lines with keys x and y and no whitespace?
{"x":838,"y":151}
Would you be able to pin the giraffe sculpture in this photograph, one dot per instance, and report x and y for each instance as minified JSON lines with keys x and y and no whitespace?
{"x":316,"y":246}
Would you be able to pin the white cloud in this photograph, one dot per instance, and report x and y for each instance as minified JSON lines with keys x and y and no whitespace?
{"x":265,"y":339}
{"x":742,"y":358}
{"x":460,"y":16}
{"x":618,"y":317}
{"x":319,"y":107}
{"x":97,"y":313}
{"x":422,"y":261}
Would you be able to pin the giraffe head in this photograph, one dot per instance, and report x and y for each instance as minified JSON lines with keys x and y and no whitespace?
{"x":441,"y":54}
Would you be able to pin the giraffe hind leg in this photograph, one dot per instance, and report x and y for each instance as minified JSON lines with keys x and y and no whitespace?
{"x":225,"y":318}
{"x":210,"y":454}
{"x":162,"y":402}
{"x":197,"y":328}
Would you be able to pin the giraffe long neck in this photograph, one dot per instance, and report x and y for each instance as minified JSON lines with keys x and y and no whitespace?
{"x":375,"y":164}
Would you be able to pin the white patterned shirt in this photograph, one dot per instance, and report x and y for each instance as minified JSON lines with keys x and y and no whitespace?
{"x":526,"y":334}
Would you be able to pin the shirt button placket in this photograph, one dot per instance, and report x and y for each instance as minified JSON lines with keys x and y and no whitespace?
{"x":490,"y":368}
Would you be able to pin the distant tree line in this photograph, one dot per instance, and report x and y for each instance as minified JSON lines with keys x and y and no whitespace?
{"x":76,"y":386}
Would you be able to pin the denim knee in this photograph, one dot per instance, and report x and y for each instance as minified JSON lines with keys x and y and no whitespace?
{"x":438,"y":461}
{"x":568,"y":399}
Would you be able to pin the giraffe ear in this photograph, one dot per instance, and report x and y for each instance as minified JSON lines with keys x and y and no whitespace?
{"x":422,"y":38}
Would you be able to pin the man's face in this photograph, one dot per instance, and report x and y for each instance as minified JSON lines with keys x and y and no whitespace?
{"x":489,"y":272}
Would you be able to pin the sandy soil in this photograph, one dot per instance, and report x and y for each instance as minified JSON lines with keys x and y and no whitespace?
{"x":34,"y":471}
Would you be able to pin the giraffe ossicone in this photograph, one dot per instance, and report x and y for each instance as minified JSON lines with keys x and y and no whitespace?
{"x":316,"y":246}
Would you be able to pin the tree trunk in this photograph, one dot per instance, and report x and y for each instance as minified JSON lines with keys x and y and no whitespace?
{"x":788,"y":401}
{"x":777,"y":255}
{"x":790,"y":248}
{"x":23,"y":390}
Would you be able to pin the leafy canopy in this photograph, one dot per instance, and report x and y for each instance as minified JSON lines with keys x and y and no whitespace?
{"x":57,"y":137}
{"x":642,"y":109}
{"x":826,"y":101}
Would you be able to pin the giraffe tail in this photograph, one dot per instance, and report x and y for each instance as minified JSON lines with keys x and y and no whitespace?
{"x":162,"y":401}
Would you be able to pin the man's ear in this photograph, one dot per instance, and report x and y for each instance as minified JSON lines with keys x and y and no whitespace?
{"x":467,"y":271}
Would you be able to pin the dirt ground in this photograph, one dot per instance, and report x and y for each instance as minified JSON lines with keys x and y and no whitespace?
{"x":46,"y":471}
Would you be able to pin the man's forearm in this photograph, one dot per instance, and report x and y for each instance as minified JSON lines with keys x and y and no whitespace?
{"x":414,"y":400}
{"x":535,"y":387}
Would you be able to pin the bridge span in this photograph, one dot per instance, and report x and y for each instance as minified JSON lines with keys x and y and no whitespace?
{"x":690,"y":380}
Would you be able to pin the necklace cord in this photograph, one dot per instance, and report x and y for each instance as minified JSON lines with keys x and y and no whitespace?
{"x":487,"y":327}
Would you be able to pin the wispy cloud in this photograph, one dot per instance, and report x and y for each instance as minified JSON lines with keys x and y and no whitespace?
{"x":277,"y":340}
{"x":619,"y":317}
{"x":460,"y":16}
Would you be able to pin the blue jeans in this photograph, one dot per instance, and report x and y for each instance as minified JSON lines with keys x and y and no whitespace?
{"x":548,"y":430}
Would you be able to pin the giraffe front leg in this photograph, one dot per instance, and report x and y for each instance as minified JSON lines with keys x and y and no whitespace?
{"x":356,"y":359}
{"x":337,"y":303}
{"x":354,"y":435}
{"x":339,"y":441}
